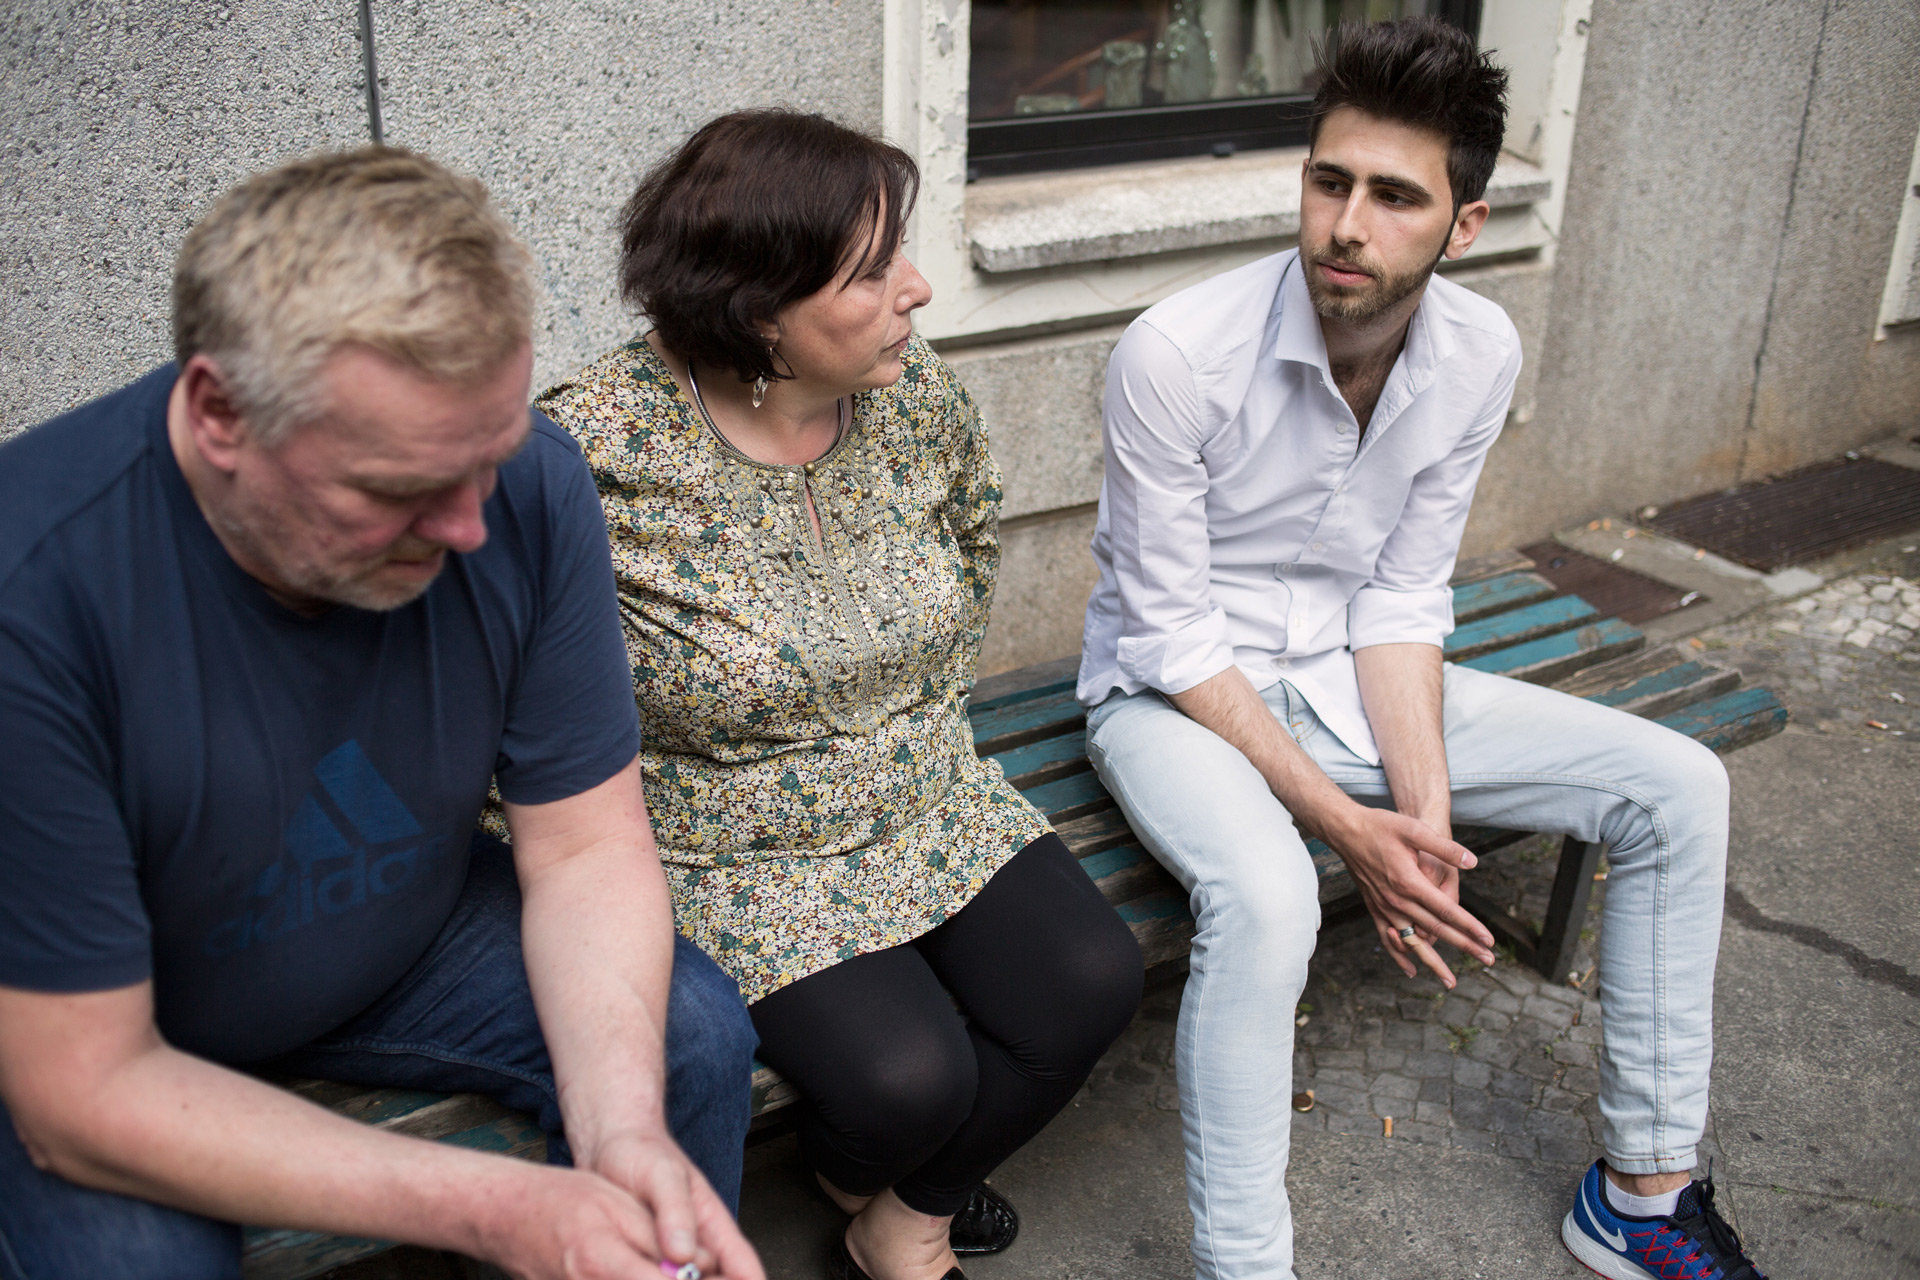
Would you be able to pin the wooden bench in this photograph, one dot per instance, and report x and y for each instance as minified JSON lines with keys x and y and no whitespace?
{"x":1508,"y":619}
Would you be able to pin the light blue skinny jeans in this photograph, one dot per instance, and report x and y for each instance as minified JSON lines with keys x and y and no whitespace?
{"x":1520,"y":756}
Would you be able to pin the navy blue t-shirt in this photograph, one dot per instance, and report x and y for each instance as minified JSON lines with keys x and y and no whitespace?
{"x":268,"y":814}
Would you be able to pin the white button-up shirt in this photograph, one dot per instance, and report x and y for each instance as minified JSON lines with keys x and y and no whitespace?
{"x":1246,"y":520}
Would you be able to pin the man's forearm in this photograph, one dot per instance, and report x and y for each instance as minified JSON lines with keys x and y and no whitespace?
{"x":1400,"y":687}
{"x":1228,"y":704}
{"x":598,"y":935}
{"x":178,"y":1130}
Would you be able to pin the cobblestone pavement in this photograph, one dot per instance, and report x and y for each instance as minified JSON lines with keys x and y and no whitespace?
{"x":1845,"y":659}
{"x":1504,"y":1063}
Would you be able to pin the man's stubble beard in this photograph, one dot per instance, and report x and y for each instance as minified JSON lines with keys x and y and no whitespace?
{"x":251,"y":529}
{"x":1359,"y":305}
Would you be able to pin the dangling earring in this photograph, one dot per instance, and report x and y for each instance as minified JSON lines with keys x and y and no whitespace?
{"x":760,"y":383}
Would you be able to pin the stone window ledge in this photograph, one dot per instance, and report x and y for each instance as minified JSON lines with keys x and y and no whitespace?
{"x":1130,"y":211}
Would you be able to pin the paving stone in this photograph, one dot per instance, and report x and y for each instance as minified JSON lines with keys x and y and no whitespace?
{"x":1435,"y":1038}
{"x":1509,"y":1115}
{"x":1511,"y":1084}
{"x":1559,"y":994}
{"x":1430,"y":1064}
{"x":1551,"y":1012}
{"x":1580,"y":1080}
{"x":1492,"y":1020}
{"x":1398,"y":1108}
{"x":1537,"y":1064}
{"x":1554,"y":1098}
{"x":1435,"y":1089}
{"x":1471,"y":1073}
{"x":1416,"y":1009}
{"x":1495,"y":1051}
{"x":1472,"y":986}
{"x":1395,"y":1086}
{"x":1546,"y":1124}
{"x":1386,"y":1059}
{"x":1402,"y":1035}
{"x":1341,"y":1077}
{"x":1583,"y":1034}
{"x":1437,"y":1113}
{"x":1353,"y":1059}
{"x":1472,"y":1109}
{"x":1569,"y":1054}
{"x":1339,"y":1098}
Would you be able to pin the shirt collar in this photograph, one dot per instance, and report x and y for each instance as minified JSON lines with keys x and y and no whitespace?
{"x":1299,"y":337}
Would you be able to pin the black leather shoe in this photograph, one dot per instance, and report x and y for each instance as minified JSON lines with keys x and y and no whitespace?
{"x":987,"y":1224}
{"x":841,"y":1266}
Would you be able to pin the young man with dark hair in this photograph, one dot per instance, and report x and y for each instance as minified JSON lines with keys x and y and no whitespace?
{"x":271,"y":619}
{"x":1291,"y":449}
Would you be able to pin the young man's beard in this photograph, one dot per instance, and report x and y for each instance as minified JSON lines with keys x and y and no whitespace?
{"x":1362,"y":303}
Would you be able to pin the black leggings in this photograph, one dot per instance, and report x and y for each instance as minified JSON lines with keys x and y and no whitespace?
{"x":903,"y":1090}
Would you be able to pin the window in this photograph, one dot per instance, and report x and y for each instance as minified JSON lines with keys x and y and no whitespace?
{"x":1057,"y":84}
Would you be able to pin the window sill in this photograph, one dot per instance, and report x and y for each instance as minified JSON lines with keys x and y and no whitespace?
{"x":1131,"y":211}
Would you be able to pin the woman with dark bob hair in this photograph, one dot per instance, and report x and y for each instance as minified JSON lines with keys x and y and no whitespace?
{"x":804,"y":524}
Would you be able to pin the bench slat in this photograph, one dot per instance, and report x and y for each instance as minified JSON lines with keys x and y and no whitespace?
{"x":1548,"y":659}
{"x":1070,"y":797}
{"x":1504,"y":630}
{"x":1730,"y":720}
{"x":1475,"y":600}
{"x":1658,"y":693}
{"x":1046,"y":759}
{"x":1000,"y":728}
{"x":1095,"y":832}
{"x":1050,"y":688}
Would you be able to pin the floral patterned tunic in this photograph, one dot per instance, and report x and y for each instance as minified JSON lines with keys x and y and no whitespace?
{"x":807,"y":757}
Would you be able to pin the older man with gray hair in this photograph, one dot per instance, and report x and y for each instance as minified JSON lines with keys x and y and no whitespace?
{"x":272,"y":618}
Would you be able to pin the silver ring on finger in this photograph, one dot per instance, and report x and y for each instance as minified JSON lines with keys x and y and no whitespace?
{"x":1406,"y":933}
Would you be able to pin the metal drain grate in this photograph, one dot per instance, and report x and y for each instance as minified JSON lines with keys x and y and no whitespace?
{"x":1613,"y":591}
{"x":1802,"y":515}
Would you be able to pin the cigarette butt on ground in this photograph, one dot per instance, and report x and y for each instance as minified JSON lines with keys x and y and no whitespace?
{"x":1303,"y":1101}
{"x":1875,"y":724}
{"x":1386,"y":1127}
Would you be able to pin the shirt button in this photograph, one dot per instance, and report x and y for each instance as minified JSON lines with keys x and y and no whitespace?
{"x":1284,"y":664}
{"x":1319,"y":546}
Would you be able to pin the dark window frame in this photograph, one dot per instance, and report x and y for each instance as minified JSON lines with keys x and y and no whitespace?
{"x":1081,"y":139}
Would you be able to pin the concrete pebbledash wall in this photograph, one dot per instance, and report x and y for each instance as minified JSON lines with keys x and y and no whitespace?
{"x":1737,"y":176}
{"x":120,"y":122}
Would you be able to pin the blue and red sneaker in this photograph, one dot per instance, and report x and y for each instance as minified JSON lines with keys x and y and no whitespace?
{"x":1694,"y":1244}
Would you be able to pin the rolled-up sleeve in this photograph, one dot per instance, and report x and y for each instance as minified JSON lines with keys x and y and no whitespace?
{"x":1408,"y":601}
{"x":1172,"y":634}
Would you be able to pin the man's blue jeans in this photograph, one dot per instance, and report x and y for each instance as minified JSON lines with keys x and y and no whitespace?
{"x":1520,"y":757}
{"x":460,"y":1021}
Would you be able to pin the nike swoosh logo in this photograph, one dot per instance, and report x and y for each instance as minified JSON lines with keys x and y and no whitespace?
{"x":1615,"y":1238}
